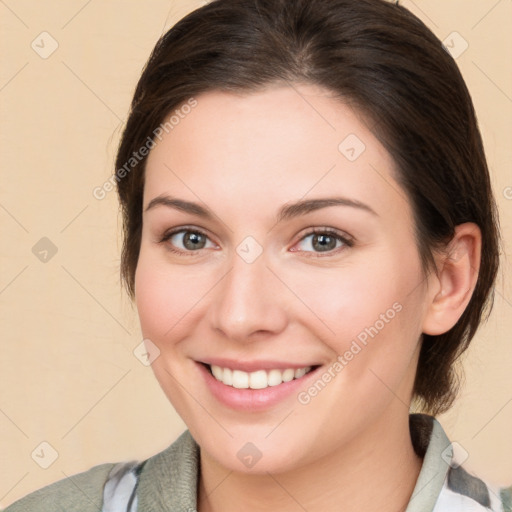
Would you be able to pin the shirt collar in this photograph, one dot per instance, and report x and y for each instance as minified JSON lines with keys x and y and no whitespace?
{"x":169,"y":479}
{"x":431,"y":443}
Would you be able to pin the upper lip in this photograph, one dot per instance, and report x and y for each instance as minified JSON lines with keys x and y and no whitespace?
{"x":252,"y":366}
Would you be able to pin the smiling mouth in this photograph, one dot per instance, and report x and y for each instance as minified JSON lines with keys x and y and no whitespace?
{"x":259,"y":379}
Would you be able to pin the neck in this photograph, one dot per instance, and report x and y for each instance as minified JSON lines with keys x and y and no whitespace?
{"x":377,"y":471}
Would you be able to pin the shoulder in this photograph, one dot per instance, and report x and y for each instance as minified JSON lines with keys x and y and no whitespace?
{"x":167,"y":477}
{"x":444,"y":485}
{"x":463,"y":490}
{"x":81,"y":492}
{"x":506,"y":498}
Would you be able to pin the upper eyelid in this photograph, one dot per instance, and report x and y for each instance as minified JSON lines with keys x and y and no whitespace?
{"x":343,"y":237}
{"x":171,"y":232}
{"x":309,"y":231}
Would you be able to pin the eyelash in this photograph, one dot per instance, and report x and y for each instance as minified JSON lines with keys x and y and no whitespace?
{"x":343,"y":238}
{"x":346,"y":240}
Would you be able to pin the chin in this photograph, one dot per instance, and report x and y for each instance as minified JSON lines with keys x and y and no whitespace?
{"x":254,"y":458}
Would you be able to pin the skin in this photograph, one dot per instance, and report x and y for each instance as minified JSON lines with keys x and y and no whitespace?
{"x":243,"y":157}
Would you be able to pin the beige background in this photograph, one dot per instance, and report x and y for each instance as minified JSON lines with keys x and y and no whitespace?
{"x":69,"y":375}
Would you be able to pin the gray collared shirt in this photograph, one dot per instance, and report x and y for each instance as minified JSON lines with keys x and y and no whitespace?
{"x":167,"y":482}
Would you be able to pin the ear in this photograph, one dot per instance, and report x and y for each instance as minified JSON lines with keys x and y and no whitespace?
{"x":453,"y":285}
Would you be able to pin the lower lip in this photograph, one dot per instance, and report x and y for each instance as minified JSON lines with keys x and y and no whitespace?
{"x":253,"y":399}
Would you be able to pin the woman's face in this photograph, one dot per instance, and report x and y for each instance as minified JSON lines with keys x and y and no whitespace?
{"x":244,"y":284}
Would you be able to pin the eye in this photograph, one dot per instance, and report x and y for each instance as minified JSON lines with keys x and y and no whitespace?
{"x":324,"y":240}
{"x":185,"y":240}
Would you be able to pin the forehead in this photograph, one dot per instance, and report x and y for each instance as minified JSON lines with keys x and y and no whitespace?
{"x":278,"y":144}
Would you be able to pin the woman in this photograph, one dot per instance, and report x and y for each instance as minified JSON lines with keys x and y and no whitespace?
{"x":311,"y":240}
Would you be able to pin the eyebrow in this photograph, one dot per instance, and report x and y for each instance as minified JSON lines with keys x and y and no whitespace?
{"x":288,"y":211}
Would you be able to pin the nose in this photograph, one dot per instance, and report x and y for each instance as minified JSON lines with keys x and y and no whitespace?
{"x":248,"y":303}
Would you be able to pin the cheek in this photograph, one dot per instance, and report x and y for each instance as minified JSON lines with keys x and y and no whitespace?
{"x":165,"y":297}
{"x":155,"y":305}
{"x":348,"y":300}
{"x":369,"y":312}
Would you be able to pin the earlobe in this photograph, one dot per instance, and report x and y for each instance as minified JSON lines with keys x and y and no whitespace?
{"x":457,"y":275}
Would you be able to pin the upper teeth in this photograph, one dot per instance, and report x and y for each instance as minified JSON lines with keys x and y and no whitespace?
{"x":259,"y":379}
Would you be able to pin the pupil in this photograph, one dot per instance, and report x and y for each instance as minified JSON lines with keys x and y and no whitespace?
{"x":323,"y":241}
{"x":194,"y":240}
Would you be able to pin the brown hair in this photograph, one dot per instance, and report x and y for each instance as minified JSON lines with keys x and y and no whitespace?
{"x":386,"y":63}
